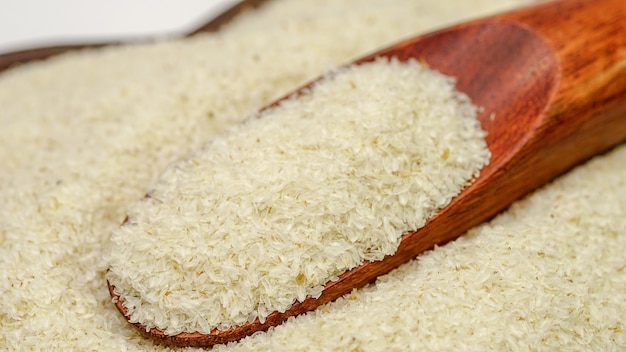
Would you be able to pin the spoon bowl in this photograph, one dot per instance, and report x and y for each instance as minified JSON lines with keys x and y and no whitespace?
{"x":551,"y":82}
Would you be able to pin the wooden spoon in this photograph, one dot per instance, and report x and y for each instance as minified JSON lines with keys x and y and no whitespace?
{"x":552,"y":82}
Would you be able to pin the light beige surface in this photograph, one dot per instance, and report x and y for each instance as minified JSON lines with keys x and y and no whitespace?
{"x":83,"y":135}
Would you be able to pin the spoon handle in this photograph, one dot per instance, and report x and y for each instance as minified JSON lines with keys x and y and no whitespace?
{"x":589,"y":104}
{"x":552,"y":80}
{"x":578,"y":86}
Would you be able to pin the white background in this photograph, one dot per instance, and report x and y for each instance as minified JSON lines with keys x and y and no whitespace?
{"x":30,"y":23}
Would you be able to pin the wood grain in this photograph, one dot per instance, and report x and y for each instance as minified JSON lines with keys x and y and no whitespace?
{"x":552,"y":82}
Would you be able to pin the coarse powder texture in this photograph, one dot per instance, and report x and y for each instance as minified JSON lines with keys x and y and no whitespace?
{"x":84,"y":134}
{"x":271,"y":211}
{"x":549,"y":274}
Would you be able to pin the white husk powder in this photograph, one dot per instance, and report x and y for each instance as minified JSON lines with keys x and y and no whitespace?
{"x":276,"y":207}
{"x":84,"y":134}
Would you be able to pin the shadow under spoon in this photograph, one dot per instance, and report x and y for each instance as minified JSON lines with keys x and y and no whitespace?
{"x":551,"y":81}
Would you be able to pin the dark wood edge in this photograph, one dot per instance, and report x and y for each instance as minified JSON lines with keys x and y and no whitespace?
{"x":15,"y":58}
{"x":20,"y":57}
{"x":215,"y":24}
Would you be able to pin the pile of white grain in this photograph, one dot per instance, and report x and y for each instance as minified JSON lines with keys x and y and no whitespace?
{"x":83,"y":135}
{"x":276,"y":207}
